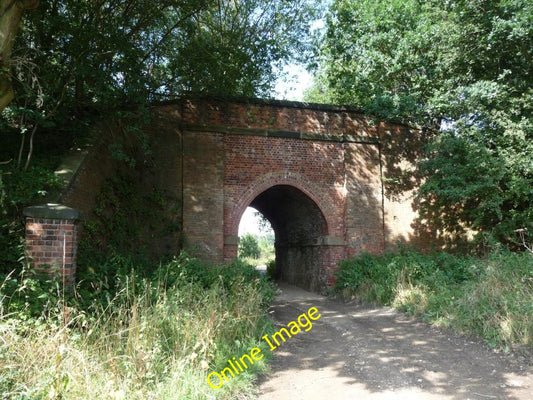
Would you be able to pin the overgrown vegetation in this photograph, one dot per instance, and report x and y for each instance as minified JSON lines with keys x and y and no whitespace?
{"x":133,"y":217}
{"x":74,"y":59}
{"x":139,"y":323}
{"x":461,"y":70}
{"x":257,"y":250}
{"x":249,"y":246}
{"x":19,"y":189}
{"x":156,"y":336}
{"x":135,"y":328}
{"x":489,"y":297}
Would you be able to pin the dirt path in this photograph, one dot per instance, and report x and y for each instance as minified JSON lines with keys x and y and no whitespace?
{"x":356,"y":352}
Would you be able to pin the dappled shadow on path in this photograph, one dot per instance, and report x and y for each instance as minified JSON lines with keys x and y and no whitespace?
{"x":356,"y":352}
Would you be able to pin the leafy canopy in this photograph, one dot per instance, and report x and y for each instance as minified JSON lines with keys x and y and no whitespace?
{"x":462,"y":69}
{"x":74,"y":58}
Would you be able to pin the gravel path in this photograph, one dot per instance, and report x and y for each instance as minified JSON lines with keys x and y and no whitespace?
{"x":360,"y":352}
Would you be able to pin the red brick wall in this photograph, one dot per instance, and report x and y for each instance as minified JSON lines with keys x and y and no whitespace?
{"x":254,"y":164}
{"x":51,"y":246}
{"x":159,"y":168}
{"x":203,"y":195}
{"x":221,"y":155}
{"x":335,"y":156}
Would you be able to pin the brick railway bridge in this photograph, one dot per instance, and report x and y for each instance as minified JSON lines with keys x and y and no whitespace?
{"x":330,"y":180}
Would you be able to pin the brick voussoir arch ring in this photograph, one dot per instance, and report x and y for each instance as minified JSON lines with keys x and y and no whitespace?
{"x":266,"y":181}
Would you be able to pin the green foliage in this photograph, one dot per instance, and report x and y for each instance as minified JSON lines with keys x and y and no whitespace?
{"x":19,"y":189}
{"x":227,"y":275}
{"x":470,"y":186}
{"x":29,"y":296}
{"x":249,"y":246}
{"x":416,"y":60}
{"x":461,"y":69}
{"x":235,"y":47}
{"x":271,"y":271}
{"x":368,"y":58}
{"x":258,"y":251}
{"x":152,"y":336}
{"x":266,"y":245}
{"x":74,"y":59}
{"x":489,"y":297}
{"x":263,"y":225}
{"x":497,"y":304}
{"x":128,"y":225}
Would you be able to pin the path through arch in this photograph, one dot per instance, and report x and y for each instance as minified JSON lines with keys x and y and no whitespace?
{"x":300,"y":228}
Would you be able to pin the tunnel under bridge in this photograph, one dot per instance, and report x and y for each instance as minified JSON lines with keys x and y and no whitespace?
{"x":317,"y":173}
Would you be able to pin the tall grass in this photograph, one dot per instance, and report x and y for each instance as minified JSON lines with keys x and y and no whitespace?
{"x":155,"y":338}
{"x":490,"y":297}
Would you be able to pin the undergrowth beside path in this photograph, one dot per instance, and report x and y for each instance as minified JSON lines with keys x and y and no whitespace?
{"x":153,"y":337}
{"x":490,"y":297}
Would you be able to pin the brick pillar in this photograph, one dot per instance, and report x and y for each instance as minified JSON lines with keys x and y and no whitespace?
{"x":51,"y":240}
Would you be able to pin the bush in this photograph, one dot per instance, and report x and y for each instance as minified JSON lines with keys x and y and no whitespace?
{"x":489,"y":297}
{"x":249,"y":246}
{"x":497,"y":303}
{"x":19,"y":189}
{"x":271,"y":271}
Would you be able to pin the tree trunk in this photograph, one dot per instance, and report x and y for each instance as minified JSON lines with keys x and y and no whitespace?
{"x":10,"y":15}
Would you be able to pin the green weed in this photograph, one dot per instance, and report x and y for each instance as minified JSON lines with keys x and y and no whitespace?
{"x":489,"y":297}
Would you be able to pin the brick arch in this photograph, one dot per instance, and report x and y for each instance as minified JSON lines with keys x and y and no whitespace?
{"x":269,"y":180}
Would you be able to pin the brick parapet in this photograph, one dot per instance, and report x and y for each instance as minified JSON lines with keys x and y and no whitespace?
{"x":222,"y":154}
{"x":51,"y":235}
{"x":283,"y":116}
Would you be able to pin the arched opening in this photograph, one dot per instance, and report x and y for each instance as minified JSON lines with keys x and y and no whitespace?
{"x":299,"y":226}
{"x":256,"y":241}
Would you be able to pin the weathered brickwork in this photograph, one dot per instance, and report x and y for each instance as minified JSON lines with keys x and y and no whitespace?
{"x":96,"y":167}
{"x":331,"y":181}
{"x":204,"y":193}
{"x":316,"y":172}
{"x":254,"y":164}
{"x":51,"y":246}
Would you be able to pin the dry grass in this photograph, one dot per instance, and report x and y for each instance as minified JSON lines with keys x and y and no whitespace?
{"x":144,"y":344}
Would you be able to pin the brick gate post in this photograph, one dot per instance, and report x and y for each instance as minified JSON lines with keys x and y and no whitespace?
{"x":51,"y":240}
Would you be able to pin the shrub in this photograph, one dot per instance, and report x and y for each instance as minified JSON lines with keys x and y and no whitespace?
{"x":489,"y":297}
{"x":19,"y":189}
{"x":249,"y":246}
{"x":271,"y":270}
{"x":497,"y":303}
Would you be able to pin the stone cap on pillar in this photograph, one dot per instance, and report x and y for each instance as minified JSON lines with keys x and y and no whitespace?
{"x":52,"y":211}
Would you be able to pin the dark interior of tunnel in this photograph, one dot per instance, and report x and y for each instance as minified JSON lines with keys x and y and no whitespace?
{"x":298,"y":224}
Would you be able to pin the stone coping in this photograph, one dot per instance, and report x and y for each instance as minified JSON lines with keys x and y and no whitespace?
{"x":52,"y":211}
{"x":277,"y":133}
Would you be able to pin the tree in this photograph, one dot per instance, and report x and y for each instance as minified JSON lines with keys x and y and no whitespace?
{"x":235,"y":47}
{"x":249,"y":246}
{"x":461,"y":69}
{"x":10,"y":16}
{"x":75,"y":59}
{"x":369,"y":58}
